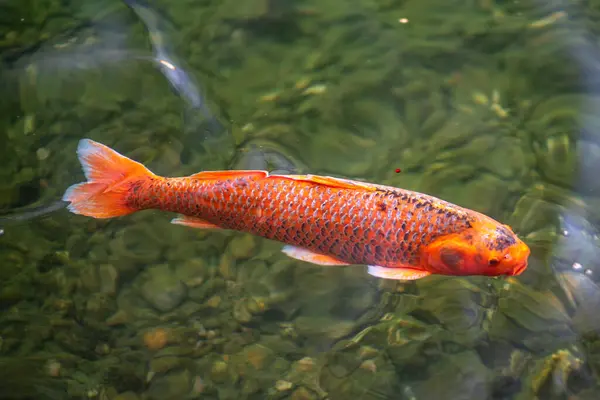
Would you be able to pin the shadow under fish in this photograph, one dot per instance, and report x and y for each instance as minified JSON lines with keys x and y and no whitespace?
{"x":14,"y":217}
{"x":68,"y":56}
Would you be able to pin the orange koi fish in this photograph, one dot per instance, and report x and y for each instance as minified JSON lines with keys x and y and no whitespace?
{"x":398,"y":233}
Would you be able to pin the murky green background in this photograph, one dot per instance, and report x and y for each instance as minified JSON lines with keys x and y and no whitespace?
{"x":488,"y":104}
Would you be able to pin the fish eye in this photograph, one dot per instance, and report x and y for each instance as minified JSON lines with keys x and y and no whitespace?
{"x":493,"y":262}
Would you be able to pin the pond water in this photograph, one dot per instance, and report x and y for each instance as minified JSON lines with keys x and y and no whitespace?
{"x":490,"y":105}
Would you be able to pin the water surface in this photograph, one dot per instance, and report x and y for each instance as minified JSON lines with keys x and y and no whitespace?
{"x":490,"y":105}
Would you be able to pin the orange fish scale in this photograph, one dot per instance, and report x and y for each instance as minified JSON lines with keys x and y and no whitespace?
{"x":386,"y":226}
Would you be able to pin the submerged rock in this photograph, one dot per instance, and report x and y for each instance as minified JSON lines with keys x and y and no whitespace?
{"x":351,"y":372}
{"x":127,"y":396}
{"x":458,"y":376}
{"x":534,"y":319}
{"x":175,"y":385}
{"x":109,"y":279}
{"x":162,"y":289}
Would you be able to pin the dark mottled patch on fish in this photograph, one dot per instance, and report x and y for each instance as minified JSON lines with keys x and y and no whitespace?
{"x":478,"y":259}
{"x":452,"y":259}
{"x":423,"y":203}
{"x":504,"y":240}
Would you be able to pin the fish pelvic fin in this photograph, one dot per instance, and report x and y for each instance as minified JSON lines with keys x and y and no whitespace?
{"x":194,"y":222}
{"x":107,"y":173}
{"x":306,"y":255}
{"x":401,"y":274}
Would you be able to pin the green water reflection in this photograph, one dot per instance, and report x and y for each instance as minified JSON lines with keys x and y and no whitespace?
{"x":487,"y":104}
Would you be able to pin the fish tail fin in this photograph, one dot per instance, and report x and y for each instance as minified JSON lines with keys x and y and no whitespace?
{"x":107,"y":172}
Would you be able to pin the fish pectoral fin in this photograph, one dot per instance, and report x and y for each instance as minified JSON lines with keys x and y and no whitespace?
{"x":216,"y":175}
{"x":402,"y":274}
{"x":303,"y":254}
{"x":329,"y":181}
{"x":193,"y":222}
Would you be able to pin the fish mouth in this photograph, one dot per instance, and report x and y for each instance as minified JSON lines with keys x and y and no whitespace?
{"x":521,"y":253}
{"x":519,"y":268}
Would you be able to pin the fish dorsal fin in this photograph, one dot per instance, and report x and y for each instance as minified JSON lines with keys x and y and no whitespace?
{"x":319,"y":180}
{"x":216,"y":175}
{"x":329,"y":181}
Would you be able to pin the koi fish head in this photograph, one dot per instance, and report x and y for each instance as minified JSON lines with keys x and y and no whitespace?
{"x":487,"y":248}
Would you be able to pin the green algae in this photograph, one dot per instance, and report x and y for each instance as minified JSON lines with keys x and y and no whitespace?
{"x":479,"y":104}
